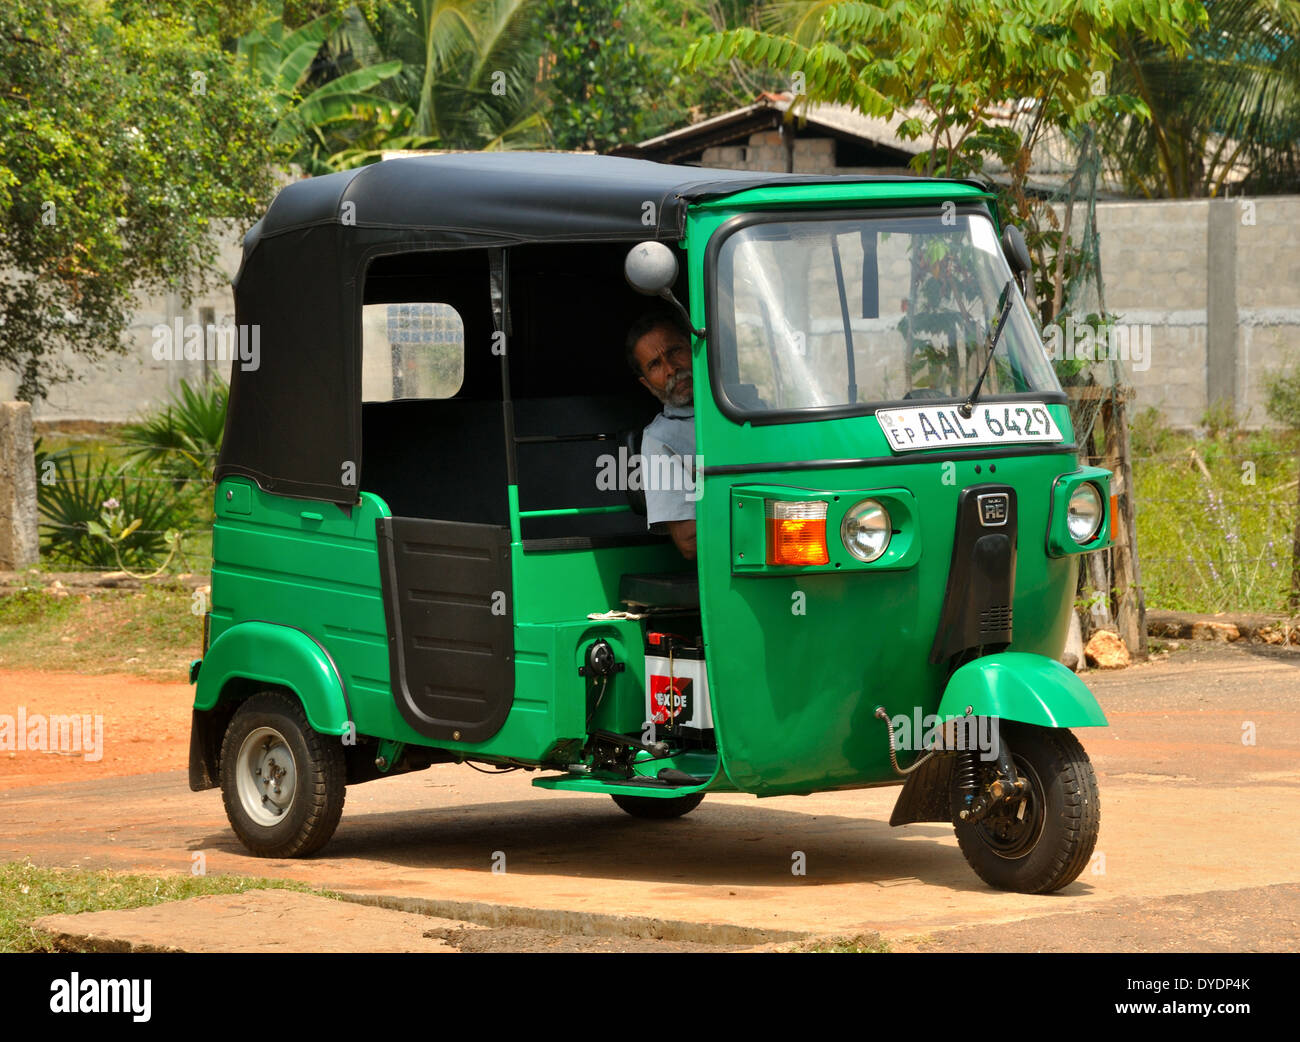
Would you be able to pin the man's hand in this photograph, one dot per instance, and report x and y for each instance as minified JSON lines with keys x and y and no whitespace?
{"x":683,"y":533}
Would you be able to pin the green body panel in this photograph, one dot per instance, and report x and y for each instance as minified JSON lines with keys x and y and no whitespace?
{"x":273,"y":654}
{"x":898,"y":193}
{"x":554,"y":591}
{"x":307,"y":565}
{"x":289,"y":563}
{"x":1059,"y":540}
{"x":749,"y":536}
{"x":1029,"y":688}
{"x":794,"y":694}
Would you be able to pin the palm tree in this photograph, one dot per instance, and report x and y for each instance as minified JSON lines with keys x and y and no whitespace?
{"x":469,"y":69}
{"x":1231,"y":107}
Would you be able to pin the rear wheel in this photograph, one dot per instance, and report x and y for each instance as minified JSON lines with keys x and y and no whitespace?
{"x":283,"y":784}
{"x":658,"y":809}
{"x":1041,"y":842}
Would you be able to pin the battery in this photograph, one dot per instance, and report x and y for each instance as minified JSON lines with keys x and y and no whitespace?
{"x":677,"y":687}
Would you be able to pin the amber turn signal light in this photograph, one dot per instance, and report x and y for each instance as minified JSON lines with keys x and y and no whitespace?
{"x":796,"y":532}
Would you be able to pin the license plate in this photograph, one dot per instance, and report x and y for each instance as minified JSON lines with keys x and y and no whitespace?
{"x":943,"y":427}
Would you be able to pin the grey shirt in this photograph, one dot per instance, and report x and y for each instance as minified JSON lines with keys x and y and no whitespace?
{"x":668,"y":467}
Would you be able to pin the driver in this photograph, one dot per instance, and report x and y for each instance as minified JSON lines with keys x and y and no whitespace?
{"x":659,"y":353}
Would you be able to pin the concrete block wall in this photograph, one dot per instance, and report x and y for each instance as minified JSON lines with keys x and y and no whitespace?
{"x":1267,"y":261}
{"x":1154,"y":271}
{"x":123,"y":387}
{"x":1218,"y":281}
{"x":766,"y":151}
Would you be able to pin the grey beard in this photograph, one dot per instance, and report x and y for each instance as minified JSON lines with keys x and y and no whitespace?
{"x":671,"y":396}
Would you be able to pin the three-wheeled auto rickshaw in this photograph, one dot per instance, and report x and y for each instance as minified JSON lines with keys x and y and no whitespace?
{"x":430,"y":543}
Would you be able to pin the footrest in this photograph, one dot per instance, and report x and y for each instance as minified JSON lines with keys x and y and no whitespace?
{"x":668,"y":778}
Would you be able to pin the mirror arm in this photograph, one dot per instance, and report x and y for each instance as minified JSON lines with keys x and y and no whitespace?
{"x":667,"y":294}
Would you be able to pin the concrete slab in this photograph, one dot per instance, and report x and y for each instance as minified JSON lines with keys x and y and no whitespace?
{"x":255,"y":921}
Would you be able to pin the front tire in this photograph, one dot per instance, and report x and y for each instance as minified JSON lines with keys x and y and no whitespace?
{"x":656,"y":809}
{"x":283,"y":783}
{"x":1042,"y":843}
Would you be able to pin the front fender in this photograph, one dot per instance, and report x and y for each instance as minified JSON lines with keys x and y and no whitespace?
{"x":280,"y":655}
{"x":1017,"y":686}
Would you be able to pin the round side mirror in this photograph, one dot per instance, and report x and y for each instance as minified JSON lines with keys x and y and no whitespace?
{"x":1017,"y":253}
{"x":650,"y":268}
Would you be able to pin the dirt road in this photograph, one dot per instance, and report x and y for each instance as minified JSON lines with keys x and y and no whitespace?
{"x":1198,"y":848}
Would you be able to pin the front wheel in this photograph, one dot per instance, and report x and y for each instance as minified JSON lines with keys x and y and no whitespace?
{"x":1041,"y":842}
{"x":658,"y":809}
{"x":282,"y":782}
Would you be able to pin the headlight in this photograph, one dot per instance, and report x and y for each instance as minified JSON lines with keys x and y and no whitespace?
{"x":865,"y":530}
{"x":1084,"y":514}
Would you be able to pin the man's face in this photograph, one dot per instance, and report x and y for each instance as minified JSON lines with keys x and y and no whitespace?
{"x":664,"y":357}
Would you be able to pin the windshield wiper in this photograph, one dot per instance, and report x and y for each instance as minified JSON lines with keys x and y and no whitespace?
{"x":1004,"y":303}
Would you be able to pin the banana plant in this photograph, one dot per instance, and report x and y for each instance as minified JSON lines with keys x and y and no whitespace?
{"x":317,"y":117}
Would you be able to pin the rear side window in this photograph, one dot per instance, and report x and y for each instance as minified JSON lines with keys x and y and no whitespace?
{"x":414,"y":350}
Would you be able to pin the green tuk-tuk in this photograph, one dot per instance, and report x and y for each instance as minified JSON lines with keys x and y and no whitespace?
{"x":430,"y":543}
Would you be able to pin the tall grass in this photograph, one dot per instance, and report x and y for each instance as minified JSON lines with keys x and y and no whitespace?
{"x":1215,"y":516}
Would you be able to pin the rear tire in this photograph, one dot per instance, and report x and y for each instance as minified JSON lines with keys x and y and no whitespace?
{"x":660,"y":809}
{"x":283,"y":783}
{"x":1047,"y":846}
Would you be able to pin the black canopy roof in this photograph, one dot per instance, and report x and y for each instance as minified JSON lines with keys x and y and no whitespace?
{"x":293,"y":423}
{"x":500,"y":198}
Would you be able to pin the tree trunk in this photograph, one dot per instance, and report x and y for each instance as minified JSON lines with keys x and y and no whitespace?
{"x":1130,"y":602}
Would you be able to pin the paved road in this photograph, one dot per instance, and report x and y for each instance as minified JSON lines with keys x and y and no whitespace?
{"x":1198,"y":841}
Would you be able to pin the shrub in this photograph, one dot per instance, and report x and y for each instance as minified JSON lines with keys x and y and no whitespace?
{"x":1283,"y":402}
{"x":78,"y":497}
{"x":181,"y":440}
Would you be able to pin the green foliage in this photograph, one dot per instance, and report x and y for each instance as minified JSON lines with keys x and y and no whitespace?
{"x":182,"y":439}
{"x":469,"y":70}
{"x":1220,"y":418}
{"x":612,"y":69}
{"x":1218,"y":542}
{"x":1149,"y":435}
{"x":32,"y":605}
{"x":78,"y":498}
{"x":1230,"y":106}
{"x":1283,"y":401}
{"x":121,"y":139}
{"x":955,"y":68}
{"x":316,"y":119}
{"x":600,"y":79}
{"x":150,"y":631}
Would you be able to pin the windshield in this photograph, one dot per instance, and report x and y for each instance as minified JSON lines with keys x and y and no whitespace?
{"x":817,"y":314}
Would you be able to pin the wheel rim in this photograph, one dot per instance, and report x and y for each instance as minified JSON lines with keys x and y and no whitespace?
{"x":1012,"y":831}
{"x":266,"y":776}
